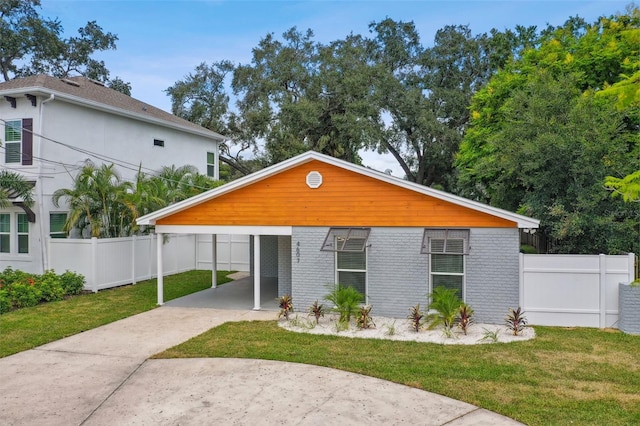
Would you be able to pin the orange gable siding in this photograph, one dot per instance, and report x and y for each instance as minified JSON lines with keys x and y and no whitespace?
{"x":345,"y":198}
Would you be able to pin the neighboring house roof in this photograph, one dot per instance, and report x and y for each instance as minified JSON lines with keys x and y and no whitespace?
{"x":349,"y":195}
{"x":93,"y":94}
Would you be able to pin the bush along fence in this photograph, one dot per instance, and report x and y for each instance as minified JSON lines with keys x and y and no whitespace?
{"x":20,"y":290}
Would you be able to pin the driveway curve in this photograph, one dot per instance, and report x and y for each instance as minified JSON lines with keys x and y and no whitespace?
{"x":103,"y":377}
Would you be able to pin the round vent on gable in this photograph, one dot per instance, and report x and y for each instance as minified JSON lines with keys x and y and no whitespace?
{"x":314,"y":180}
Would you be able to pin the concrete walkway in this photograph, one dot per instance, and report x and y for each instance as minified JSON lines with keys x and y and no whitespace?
{"x":103,"y":377}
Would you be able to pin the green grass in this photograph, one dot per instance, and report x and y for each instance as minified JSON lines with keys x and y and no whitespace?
{"x":563,"y":376}
{"x":30,"y":327}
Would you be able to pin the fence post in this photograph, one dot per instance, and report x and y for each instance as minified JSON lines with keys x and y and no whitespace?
{"x":632,"y":267}
{"x":94,"y":263}
{"x":521,"y":279}
{"x":603,"y":290}
{"x":214,"y":260}
{"x":152,"y":255}
{"x":133,"y":259}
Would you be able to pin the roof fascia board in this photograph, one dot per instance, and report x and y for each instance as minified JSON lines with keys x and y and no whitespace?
{"x":522,"y":221}
{"x":215,"y":229}
{"x":118,"y":111}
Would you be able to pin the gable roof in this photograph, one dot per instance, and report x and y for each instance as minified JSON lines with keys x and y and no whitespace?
{"x":280,"y":168}
{"x":93,"y":94}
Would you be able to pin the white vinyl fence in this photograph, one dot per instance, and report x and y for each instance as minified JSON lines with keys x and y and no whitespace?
{"x":573,"y":290}
{"x":110,"y":262}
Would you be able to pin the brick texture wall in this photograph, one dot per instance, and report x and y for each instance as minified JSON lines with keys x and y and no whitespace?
{"x":492,"y":273}
{"x":284,"y":265}
{"x":398,"y":275}
{"x":629,"y":299}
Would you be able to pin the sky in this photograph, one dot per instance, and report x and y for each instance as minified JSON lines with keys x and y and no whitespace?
{"x":161,"y":41}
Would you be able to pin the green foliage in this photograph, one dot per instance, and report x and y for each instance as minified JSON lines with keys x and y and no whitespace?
{"x":490,"y":336}
{"x":19,"y":289}
{"x":464,"y":319}
{"x":363,"y":318}
{"x":317,"y":310}
{"x":446,"y":304}
{"x":72,"y":283}
{"x":346,"y":301}
{"x":516,"y":321}
{"x":527,"y":249}
{"x":628,"y":187}
{"x":415,"y":317}
{"x":103,"y":205}
{"x":12,"y":182}
{"x":285,"y":303}
{"x":549,"y":127}
{"x":32,"y":44}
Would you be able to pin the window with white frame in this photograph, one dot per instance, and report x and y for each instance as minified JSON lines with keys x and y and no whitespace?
{"x":56,"y":225}
{"x":349,"y":245}
{"x":14,"y":233}
{"x":211,"y":164}
{"x":5,"y":233}
{"x":447,"y":249}
{"x":22,"y":232}
{"x":13,"y":141}
{"x":351,"y":270}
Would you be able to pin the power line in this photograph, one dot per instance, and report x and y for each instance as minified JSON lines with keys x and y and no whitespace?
{"x":102,"y":157}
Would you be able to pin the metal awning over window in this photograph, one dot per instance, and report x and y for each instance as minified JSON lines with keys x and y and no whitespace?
{"x":445,"y":241}
{"x":346,"y":239}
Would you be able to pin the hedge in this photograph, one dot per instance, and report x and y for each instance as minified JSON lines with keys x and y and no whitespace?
{"x":20,"y":290}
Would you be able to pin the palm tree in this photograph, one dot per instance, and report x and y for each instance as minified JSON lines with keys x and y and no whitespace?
{"x":96,"y":202}
{"x":14,"y":185}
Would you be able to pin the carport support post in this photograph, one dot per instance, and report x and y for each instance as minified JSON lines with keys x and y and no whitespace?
{"x":256,"y":272}
{"x":214,"y":261}
{"x":160,"y":272}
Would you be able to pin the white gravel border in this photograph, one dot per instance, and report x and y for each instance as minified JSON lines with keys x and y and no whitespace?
{"x":400,"y":329}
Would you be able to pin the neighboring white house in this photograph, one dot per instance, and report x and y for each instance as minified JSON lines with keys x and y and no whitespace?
{"x":50,"y":128}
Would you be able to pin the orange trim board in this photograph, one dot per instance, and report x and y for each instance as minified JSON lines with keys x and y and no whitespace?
{"x":345,"y":198}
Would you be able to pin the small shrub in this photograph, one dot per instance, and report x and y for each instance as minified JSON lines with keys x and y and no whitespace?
{"x":391,"y":329}
{"x":346,"y":301}
{"x":415,"y":317}
{"x":446,"y":304}
{"x":490,"y":335}
{"x":50,"y":286}
{"x":341,"y":326}
{"x":516,"y":321}
{"x":286,"y":306}
{"x":364,"y":320}
{"x":5,"y":301}
{"x":464,"y":318}
{"x":302,"y":323}
{"x":72,"y":283}
{"x":24,"y":295}
{"x":317,"y":311}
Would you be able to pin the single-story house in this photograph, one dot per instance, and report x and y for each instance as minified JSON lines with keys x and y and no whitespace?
{"x":316,"y":221}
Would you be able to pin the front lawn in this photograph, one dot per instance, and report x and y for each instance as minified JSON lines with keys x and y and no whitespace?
{"x":563,"y":376}
{"x":30,"y":327}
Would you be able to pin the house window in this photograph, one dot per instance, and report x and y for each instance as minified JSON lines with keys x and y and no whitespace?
{"x":5,"y":233}
{"x":351,"y":270}
{"x":158,"y":142}
{"x":13,"y":141}
{"x":349,"y":244}
{"x":56,"y":225}
{"x":211,"y":164}
{"x":23,"y":233}
{"x":447,"y":249}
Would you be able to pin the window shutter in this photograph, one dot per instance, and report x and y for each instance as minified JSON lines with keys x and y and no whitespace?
{"x":27,"y":141}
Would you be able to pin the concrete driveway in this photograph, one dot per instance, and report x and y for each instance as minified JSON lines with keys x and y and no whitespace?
{"x":103,"y":377}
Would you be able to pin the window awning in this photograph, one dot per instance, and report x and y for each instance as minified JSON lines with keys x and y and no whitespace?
{"x":346,"y":239}
{"x":445,"y":241}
